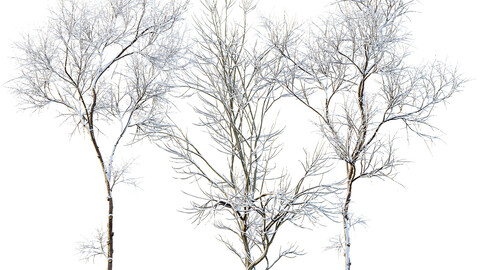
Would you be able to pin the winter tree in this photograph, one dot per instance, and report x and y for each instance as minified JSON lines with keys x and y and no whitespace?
{"x":106,"y":67}
{"x":239,"y":187}
{"x":353,"y":72}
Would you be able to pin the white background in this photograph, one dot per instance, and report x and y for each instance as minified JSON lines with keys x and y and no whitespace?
{"x":52,"y":193}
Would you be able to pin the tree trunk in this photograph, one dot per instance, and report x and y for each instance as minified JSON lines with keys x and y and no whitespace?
{"x":246,"y":248}
{"x":110,"y":233}
{"x":346,"y":221}
{"x":106,"y":176}
{"x":346,"y":227}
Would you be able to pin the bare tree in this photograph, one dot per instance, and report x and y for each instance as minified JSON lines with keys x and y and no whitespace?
{"x":353,"y":72}
{"x":106,"y":67}
{"x":239,"y":186}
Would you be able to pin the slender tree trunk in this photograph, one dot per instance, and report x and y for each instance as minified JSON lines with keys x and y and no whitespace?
{"x":246,"y":248}
{"x":346,"y":221}
{"x":346,"y":227}
{"x":110,"y":233}
{"x":106,"y":176}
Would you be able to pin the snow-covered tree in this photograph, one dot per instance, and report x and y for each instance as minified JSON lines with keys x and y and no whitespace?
{"x":353,"y":72}
{"x":105,"y":66}
{"x":240,"y":187}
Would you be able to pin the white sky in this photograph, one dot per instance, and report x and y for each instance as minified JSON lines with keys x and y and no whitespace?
{"x":52,"y":194}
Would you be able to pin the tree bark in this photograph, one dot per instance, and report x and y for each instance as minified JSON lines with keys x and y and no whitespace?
{"x":109,"y":197}
{"x":346,"y":221}
{"x":346,"y":228}
{"x":110,"y":233}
